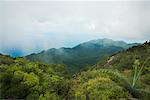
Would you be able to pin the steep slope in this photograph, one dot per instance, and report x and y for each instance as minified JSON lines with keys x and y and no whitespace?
{"x":124,"y":75}
{"x":124,"y":59}
{"x":82,"y":55}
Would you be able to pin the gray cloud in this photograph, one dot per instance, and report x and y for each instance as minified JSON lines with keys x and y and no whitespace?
{"x":31,"y":25}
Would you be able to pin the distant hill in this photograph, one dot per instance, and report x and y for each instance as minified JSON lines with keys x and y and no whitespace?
{"x":82,"y":55}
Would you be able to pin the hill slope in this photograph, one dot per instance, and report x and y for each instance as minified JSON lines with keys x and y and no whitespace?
{"x":125,"y":75}
{"x":82,"y":55}
{"x":108,"y":79}
{"x":124,"y":59}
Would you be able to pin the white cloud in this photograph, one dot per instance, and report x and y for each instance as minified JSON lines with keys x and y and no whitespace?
{"x":32,"y":25}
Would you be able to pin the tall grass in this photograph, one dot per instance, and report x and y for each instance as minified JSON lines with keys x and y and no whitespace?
{"x":138,"y":71}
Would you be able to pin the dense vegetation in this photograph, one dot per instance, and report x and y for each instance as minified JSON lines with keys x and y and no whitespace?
{"x":82,"y":55}
{"x":20,"y":79}
{"x":124,"y":60}
{"x":107,"y":84}
{"x":124,"y":75}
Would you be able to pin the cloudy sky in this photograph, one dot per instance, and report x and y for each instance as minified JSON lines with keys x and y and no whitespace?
{"x":34,"y":26}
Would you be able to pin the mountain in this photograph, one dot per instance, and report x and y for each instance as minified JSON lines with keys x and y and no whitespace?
{"x":121,"y":76}
{"x":82,"y":55}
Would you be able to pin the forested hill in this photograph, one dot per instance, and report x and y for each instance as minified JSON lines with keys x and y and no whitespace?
{"x":82,"y":55}
{"x":124,"y":75}
{"x":124,"y":59}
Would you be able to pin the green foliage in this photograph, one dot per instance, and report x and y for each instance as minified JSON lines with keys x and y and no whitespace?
{"x":98,"y":84}
{"x":29,"y":80}
{"x":5,"y":59}
{"x":105,"y":84}
{"x":133,"y":63}
{"x":136,"y":71}
{"x":125,"y":59}
{"x":124,"y":75}
{"x":146,"y":79}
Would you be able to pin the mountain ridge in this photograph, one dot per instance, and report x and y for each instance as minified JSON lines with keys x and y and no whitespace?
{"x":91,"y":41}
{"x":82,"y":55}
{"x":21,"y":78}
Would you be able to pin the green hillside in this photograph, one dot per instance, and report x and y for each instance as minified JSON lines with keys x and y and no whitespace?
{"x":122,"y":76}
{"x":82,"y":55}
{"x":123,"y":60}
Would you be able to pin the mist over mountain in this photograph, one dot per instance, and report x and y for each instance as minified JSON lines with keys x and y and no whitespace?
{"x":74,"y":50}
{"x":32,"y":27}
{"x":110,"y":78}
{"x":82,"y":55}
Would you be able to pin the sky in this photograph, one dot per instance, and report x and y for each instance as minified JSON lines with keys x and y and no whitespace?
{"x":35,"y":25}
